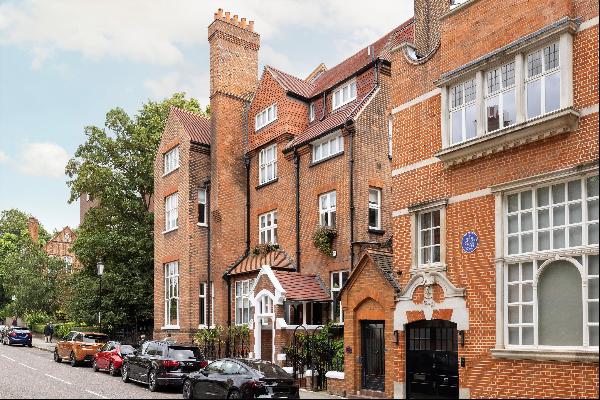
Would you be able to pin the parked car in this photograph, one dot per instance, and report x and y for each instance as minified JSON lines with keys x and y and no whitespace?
{"x":17,"y":335}
{"x":110,"y":357}
{"x":230,"y":378}
{"x":160,"y":363}
{"x":79,"y":347}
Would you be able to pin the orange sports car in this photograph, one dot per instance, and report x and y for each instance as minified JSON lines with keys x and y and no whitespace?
{"x":79,"y":347}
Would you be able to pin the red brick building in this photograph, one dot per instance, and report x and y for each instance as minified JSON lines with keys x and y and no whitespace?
{"x":493,"y":291}
{"x":281,"y":159}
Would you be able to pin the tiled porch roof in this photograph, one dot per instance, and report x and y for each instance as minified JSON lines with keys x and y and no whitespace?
{"x":300,"y":287}
{"x":277,"y":260}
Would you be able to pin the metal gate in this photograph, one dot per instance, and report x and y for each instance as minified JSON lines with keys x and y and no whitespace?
{"x":373,"y":365}
{"x":432,"y":360}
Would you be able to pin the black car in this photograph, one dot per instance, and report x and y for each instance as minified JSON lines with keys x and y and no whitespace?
{"x":160,"y":363}
{"x":240,"y":379}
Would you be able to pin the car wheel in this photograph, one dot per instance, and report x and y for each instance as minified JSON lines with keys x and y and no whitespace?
{"x":125,"y":373}
{"x":30,"y":345}
{"x":152,"y":384}
{"x":112,"y":370}
{"x":95,"y":366}
{"x":72,"y":360}
{"x":234,"y":394}
{"x":188,"y":390}
{"x":56,"y":357}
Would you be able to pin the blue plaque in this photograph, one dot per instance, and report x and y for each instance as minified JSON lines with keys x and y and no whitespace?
{"x":469,"y":242}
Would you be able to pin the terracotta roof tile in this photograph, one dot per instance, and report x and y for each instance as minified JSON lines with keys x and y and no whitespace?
{"x":385,"y":263}
{"x":302,"y":287}
{"x":197,"y":126}
{"x":277,"y":259}
{"x":291,"y":83}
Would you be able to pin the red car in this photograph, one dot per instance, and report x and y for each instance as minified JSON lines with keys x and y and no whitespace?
{"x":110,"y":357}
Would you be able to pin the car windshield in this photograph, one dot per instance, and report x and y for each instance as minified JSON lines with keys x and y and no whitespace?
{"x":126,"y":349}
{"x":95,"y":338}
{"x":269,"y":370}
{"x":184,"y":353}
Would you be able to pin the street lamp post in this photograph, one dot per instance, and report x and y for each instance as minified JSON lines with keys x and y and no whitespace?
{"x":100,"y":272}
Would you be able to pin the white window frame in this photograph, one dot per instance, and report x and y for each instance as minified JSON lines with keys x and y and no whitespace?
{"x":337,"y":277}
{"x":327,"y":208}
{"x":311,"y":112}
{"x":267,"y":165}
{"x":68,"y":264}
{"x":203,"y":310}
{"x":265,"y":117}
{"x":327,"y":147}
{"x":348,"y":90}
{"x":542,"y":77}
{"x":430,"y":231}
{"x":202,"y":201}
{"x":500,"y":93}
{"x":462,"y":108}
{"x":171,"y":160}
{"x":376,"y":206}
{"x":267,"y":228}
{"x":242,"y":302}
{"x":171,"y":273}
{"x":171,"y":212}
{"x":390,"y":136}
{"x":579,"y":256}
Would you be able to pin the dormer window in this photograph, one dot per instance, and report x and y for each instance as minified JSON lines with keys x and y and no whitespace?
{"x":311,"y":112}
{"x":265,"y":117}
{"x":344,"y":94}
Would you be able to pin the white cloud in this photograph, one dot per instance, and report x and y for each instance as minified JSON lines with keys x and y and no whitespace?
{"x":154,"y":32}
{"x":187,"y":78}
{"x":3,"y":156}
{"x":43,"y":159}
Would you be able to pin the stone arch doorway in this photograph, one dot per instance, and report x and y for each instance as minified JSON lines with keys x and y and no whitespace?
{"x":431,"y":360}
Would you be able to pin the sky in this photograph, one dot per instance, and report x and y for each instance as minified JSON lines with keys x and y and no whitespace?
{"x":65,"y":63}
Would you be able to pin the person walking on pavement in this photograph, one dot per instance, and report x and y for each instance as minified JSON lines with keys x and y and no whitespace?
{"x":47,"y":333}
{"x":51,"y":331}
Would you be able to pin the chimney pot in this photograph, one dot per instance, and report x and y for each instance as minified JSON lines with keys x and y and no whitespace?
{"x":243,"y":23}
{"x":235,"y":19}
{"x":219,"y":13}
{"x":251,"y":26}
{"x":227,"y":16}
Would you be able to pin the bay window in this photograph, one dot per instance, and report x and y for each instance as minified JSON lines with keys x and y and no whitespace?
{"x":463,"y":111}
{"x":242,"y":302}
{"x":267,"y":160}
{"x":543,"y":81}
{"x":500,"y":100}
{"x":267,"y":230}
{"x":327,"y":209}
{"x":171,"y":294}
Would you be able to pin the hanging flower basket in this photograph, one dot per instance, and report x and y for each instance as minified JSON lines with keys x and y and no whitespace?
{"x":264,"y":248}
{"x":323,"y":239}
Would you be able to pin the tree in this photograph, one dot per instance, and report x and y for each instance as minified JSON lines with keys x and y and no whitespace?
{"x":115,"y":167}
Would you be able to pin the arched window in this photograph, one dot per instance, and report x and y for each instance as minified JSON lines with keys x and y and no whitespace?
{"x":559,"y":293}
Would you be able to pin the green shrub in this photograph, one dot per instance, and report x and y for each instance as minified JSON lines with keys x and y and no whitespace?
{"x":36,"y":317}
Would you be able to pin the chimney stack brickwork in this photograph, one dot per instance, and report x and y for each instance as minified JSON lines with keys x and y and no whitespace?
{"x":427,"y":24}
{"x":33,"y":227}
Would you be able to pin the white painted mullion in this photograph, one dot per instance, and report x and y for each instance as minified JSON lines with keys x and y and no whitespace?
{"x":584,"y":212}
{"x":585,"y":305}
{"x":534,"y":219}
{"x":535,"y":304}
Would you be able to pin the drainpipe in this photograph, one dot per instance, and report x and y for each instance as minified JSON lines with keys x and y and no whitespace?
{"x":297,"y":163}
{"x":351,"y":171}
{"x":208,"y":257}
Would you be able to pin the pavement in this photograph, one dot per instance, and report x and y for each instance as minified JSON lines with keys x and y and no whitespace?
{"x":31,"y":373}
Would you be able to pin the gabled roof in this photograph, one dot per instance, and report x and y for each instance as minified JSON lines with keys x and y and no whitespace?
{"x":197,"y":126}
{"x":302,"y":287}
{"x":60,"y":234}
{"x":277,"y":260}
{"x":333,"y":121}
{"x":383,"y":260}
{"x":322,"y":79}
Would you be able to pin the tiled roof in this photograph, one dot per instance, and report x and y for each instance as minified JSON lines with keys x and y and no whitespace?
{"x":196,"y":125}
{"x":332,"y":121}
{"x":277,"y":259}
{"x":384,"y":261}
{"x":291,"y":83}
{"x":302,"y":287}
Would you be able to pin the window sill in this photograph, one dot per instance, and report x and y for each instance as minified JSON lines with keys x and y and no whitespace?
{"x":256,"y":130}
{"x":437,"y":267}
{"x":202,"y":225}
{"x":170,"y":172}
{"x":555,"y":123}
{"x":322,"y":160}
{"x":170,"y":327}
{"x":262,"y":185}
{"x":170,"y":230}
{"x":590,"y":355}
{"x":376,"y":231}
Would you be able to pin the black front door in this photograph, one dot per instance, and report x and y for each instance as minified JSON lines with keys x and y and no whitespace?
{"x":373,"y":371}
{"x":432,"y":360}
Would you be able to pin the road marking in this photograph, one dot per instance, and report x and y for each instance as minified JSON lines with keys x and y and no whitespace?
{"x":27,"y":366}
{"x":8,"y":358}
{"x":58,"y":379}
{"x":96,"y":394}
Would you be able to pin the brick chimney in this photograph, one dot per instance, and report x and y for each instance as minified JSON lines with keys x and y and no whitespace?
{"x":33,"y":227}
{"x":233,"y":80}
{"x":427,"y":24}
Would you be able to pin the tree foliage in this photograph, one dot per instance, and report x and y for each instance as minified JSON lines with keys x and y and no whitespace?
{"x":115,"y":167}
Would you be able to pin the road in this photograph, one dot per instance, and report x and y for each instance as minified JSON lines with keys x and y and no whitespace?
{"x":31,"y":373}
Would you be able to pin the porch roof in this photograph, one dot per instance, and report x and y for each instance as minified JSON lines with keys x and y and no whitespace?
{"x":302,"y":287}
{"x":276,"y":259}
